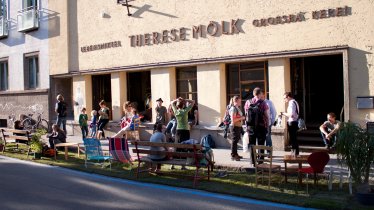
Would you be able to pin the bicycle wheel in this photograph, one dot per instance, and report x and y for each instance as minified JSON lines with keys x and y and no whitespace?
{"x":26,"y":123}
{"x":43,"y":124}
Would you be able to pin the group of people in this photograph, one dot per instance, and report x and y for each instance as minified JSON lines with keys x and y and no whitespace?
{"x":260,"y":115}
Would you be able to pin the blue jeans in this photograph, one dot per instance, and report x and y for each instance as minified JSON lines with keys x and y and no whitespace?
{"x":331,"y":142}
{"x":93,"y":131}
{"x":61,"y":120}
{"x":268,"y":141}
{"x":171,"y":127}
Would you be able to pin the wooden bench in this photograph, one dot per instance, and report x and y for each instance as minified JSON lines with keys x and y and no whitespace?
{"x":14,"y":134}
{"x":174,"y":157}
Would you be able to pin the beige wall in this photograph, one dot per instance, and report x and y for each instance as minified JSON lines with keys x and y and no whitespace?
{"x":59,"y":39}
{"x":279,"y":78}
{"x":163,"y":86}
{"x":211,"y":87}
{"x":155,"y":16}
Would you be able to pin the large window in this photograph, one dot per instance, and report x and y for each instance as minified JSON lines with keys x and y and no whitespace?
{"x":187,"y":83}
{"x":31,"y":71}
{"x":242,"y":78}
{"x":4,"y":76}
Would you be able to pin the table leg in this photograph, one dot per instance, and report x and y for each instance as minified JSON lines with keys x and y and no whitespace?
{"x":299,"y":175}
{"x":285,"y":172}
{"x":66,"y":153}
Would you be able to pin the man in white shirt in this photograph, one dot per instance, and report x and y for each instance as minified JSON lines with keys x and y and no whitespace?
{"x":292,"y":115}
{"x":272,"y":118}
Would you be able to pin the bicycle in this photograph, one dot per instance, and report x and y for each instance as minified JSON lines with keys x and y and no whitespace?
{"x":30,"y":123}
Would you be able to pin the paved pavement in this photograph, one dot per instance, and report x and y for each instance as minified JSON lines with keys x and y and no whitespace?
{"x":27,"y":185}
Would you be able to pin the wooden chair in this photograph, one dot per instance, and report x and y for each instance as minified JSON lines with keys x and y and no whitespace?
{"x":264,"y":163}
{"x":134,"y":134}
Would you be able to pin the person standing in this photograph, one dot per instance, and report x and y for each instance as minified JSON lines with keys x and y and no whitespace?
{"x":236,"y":126}
{"x":272,"y":118}
{"x":160,"y":113}
{"x":103,"y":119}
{"x":60,"y":109}
{"x":83,"y":118}
{"x":93,"y":124}
{"x":181,"y":114}
{"x":257,"y":112}
{"x":292,"y":125}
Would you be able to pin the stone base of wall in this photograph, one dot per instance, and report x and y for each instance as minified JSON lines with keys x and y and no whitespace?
{"x":25,"y":102}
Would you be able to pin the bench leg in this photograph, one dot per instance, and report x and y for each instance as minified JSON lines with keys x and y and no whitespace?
{"x":66,"y":153}
{"x":137,"y":170}
{"x":208,"y":172}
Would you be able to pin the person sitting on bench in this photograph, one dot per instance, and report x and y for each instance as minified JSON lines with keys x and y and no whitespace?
{"x":329,"y":129}
{"x":159,"y":137}
{"x":57,"y":136}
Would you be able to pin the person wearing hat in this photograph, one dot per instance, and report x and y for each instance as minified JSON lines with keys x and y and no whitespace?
{"x":161,"y":112}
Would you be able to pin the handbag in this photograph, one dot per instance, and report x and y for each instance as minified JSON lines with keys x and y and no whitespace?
{"x":300,"y":122}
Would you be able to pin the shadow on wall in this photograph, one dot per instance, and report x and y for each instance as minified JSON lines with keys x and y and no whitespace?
{"x":359,"y":66}
{"x":208,"y":116}
{"x":146,"y":8}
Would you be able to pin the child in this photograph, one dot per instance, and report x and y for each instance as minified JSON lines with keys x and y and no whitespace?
{"x":93,"y":124}
{"x":83,"y":123}
{"x":103,"y":119}
{"x":130,"y":126}
{"x":57,"y":136}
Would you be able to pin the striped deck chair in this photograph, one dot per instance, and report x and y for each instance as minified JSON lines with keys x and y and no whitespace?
{"x":119,"y":148}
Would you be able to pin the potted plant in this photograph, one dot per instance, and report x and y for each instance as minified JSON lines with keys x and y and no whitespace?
{"x":355,"y":149}
{"x":36,"y":144}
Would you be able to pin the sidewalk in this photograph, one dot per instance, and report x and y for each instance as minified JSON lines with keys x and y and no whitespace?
{"x":223,"y":160}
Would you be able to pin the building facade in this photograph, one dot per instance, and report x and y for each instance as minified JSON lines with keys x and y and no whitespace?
{"x":321,"y":51}
{"x":24,"y":57}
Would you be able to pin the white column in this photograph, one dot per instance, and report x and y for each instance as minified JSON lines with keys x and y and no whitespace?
{"x":119,"y":94}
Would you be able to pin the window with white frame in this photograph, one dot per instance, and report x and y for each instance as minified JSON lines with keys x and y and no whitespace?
{"x":31,"y":71}
{"x":4,"y":75}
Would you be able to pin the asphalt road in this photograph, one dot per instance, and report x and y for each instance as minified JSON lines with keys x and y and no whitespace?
{"x":26,"y":185}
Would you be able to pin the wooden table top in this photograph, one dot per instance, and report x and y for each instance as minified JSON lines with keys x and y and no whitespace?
{"x":295,"y":159}
{"x":67,"y":144}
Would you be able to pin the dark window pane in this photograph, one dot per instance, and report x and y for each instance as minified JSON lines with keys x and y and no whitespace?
{"x":252,"y":75}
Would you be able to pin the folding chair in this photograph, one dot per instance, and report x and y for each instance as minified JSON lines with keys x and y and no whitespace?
{"x":94,"y":152}
{"x":119,"y":149}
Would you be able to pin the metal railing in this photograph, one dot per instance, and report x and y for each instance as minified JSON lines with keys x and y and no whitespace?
{"x":3,"y":27}
{"x":28,"y":19}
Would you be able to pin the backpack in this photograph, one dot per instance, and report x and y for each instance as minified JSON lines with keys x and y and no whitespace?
{"x":208,"y":142}
{"x":255,"y":114}
{"x":227,"y":118}
{"x":61,"y":109}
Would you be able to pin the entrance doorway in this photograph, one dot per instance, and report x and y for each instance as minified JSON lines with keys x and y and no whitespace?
{"x":317,"y":83}
{"x":139,"y":91}
{"x":101,"y":90}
